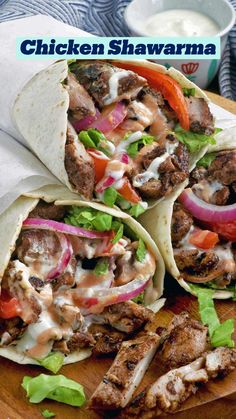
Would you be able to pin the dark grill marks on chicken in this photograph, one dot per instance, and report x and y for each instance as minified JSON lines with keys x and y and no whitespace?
{"x":201,"y":119}
{"x":223,"y":168}
{"x":194,"y":262}
{"x":79,"y":166}
{"x":127,"y":317}
{"x":181,"y":223}
{"x":10,"y":330}
{"x":95,"y":78}
{"x":173,"y":171}
{"x":81,"y":104}
{"x":126,"y":372}
{"x":48,"y":211}
{"x":187,"y":340}
{"x":108,"y":341}
{"x":39,"y":249}
{"x":172,"y":389}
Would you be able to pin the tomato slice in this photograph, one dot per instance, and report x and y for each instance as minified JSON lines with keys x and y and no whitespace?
{"x":204,"y":239}
{"x":226,"y":230}
{"x":100,"y":163}
{"x":169,"y":87}
{"x":9,"y":306}
{"x":128,"y":192}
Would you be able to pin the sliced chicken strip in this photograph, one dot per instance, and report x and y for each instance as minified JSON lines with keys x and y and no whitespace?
{"x":126,"y":373}
{"x":173,"y":388}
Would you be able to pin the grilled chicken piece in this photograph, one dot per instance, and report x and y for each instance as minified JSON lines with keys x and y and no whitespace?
{"x":16,"y":282}
{"x":48,"y":211}
{"x":223,"y":168}
{"x":201,"y":118}
{"x":126,"y":372}
{"x":172,"y":171}
{"x":40,"y":250}
{"x":187,"y":340}
{"x":181,"y":223}
{"x":108,"y":341}
{"x":79,"y":165}
{"x":81,"y":104}
{"x":108,"y":84}
{"x":10,"y":330}
{"x":173,"y":388}
{"x":126,"y":317}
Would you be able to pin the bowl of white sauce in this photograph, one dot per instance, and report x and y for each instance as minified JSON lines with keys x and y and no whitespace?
{"x":183,"y":18}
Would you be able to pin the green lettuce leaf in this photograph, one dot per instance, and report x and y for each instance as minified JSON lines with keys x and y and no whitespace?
{"x":56,"y":387}
{"x":194,"y":142}
{"x":220,"y":333}
{"x":136,"y":210}
{"x":141,"y":251}
{"x":101,"y":267}
{"x":48,"y":414}
{"x":110,"y":196}
{"x":206,"y":160}
{"x":89,"y":218}
{"x":134,"y":148}
{"x":139,"y":299}
{"x":93,"y":138}
{"x":52,"y":362}
{"x":119,"y":233}
{"x":189,"y":91}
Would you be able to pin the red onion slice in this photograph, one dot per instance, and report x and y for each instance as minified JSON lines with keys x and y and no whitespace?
{"x":67,"y":252}
{"x":207,"y":212}
{"x":39,"y":223}
{"x":95,"y":299}
{"x":104,"y":184}
{"x":108,"y":121}
{"x":86,"y":122}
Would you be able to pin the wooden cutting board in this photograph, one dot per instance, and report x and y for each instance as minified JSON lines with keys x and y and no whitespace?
{"x":219,"y":395}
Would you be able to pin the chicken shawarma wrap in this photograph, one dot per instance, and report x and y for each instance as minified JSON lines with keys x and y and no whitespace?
{"x":124,"y":133}
{"x":66,"y":265}
{"x":195,"y":226}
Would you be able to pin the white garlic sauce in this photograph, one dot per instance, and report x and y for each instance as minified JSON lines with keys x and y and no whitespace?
{"x":114,"y":86}
{"x":180,"y":22}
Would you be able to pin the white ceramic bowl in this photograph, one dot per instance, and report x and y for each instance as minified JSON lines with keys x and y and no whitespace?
{"x":200,"y":72}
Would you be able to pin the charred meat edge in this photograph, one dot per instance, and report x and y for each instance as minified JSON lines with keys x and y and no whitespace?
{"x":173,"y":388}
{"x":126,"y":373}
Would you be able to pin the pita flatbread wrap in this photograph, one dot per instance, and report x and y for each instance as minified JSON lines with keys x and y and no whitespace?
{"x":25,"y":254}
{"x":66,"y":98}
{"x":158,"y":222}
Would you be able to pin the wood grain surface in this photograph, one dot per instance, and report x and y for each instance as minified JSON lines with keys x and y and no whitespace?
{"x":219,"y":395}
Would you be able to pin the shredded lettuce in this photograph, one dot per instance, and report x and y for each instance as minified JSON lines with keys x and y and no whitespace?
{"x":220,"y":333}
{"x":93,"y":138}
{"x":89,"y":218}
{"x":136,"y":210}
{"x":134,"y":148}
{"x":52,"y":362}
{"x":119,"y":232}
{"x":56,"y":387}
{"x":206,"y":160}
{"x":139,"y":299}
{"x":141,"y":251}
{"x":189,"y":91}
{"x":48,"y":414}
{"x":194,"y":142}
{"x":101,"y":267}
{"x":110,"y":196}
